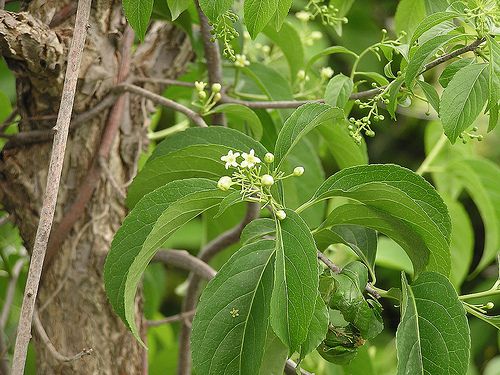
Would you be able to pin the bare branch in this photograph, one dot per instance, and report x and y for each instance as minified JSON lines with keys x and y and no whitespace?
{"x":328,"y":262}
{"x":46,"y":340}
{"x":471,"y":47}
{"x":212,"y":55}
{"x":164,"y":81}
{"x":208,"y":252}
{"x":182,"y":259}
{"x":158,"y":99}
{"x":171,"y":319}
{"x":52,"y":189}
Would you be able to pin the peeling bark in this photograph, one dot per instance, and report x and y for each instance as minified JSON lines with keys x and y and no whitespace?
{"x":79,"y":316}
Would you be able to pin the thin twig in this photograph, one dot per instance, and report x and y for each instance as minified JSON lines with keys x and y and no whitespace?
{"x":224,"y":240}
{"x":163,"y":81}
{"x":182,"y":259}
{"x":158,"y":99}
{"x":84,"y":194}
{"x":46,"y":341}
{"x":171,"y":319}
{"x":471,"y":47}
{"x":9,"y":295}
{"x":212,"y":55}
{"x":52,"y":189}
{"x":328,"y":262}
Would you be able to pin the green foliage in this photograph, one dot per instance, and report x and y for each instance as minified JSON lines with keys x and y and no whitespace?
{"x":273,"y":299}
{"x":433,"y":336}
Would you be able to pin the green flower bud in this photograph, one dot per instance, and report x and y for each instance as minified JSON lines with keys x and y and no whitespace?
{"x":268,"y":158}
{"x":280,"y":214}
{"x":224,"y":183}
{"x":298,"y":171}
{"x":267,"y":180}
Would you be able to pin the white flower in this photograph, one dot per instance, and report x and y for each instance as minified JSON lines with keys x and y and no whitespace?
{"x":241,"y":61}
{"x":303,"y":16}
{"x":224,"y":183}
{"x":298,"y":171}
{"x":280,"y":214}
{"x":268,"y":158}
{"x":249,"y":160}
{"x":302,"y":76}
{"x":230,"y":159}
{"x":315,"y":35}
{"x":326,"y":72}
{"x":267,"y":180}
{"x":200,"y":86}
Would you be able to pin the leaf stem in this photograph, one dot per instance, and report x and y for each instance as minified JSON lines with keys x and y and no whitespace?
{"x":432,"y":155}
{"x":491,"y":292}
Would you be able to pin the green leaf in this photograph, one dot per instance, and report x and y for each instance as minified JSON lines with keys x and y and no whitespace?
{"x":402,"y":194}
{"x":433,"y":336}
{"x":282,"y":10}
{"x":429,"y":22}
{"x":348,"y":298}
{"x":295,"y":281}
{"x":409,"y":13}
{"x":233,"y":198}
{"x":317,"y":328}
{"x":5,"y":107}
{"x":288,"y":40}
{"x":306,"y":155}
{"x":242,"y":118}
{"x":462,"y":242}
{"x":138,"y":13}
{"x":177,"y":7}
{"x":338,"y":90}
{"x":391,"y":255}
{"x":400,"y":231}
{"x":393,"y":92}
{"x":493,"y":82}
{"x":145,"y":229}
{"x":480,"y":179}
{"x":303,"y":119}
{"x":423,"y":55}
{"x":195,"y":152}
{"x":330,"y":51}
{"x":275,"y":355}
{"x":232,"y":318}
{"x":361,"y":240}
{"x":214,"y":8}
{"x":463,"y":99}
{"x":375,"y":77}
{"x":344,"y":150}
{"x":430,"y":93}
{"x":257,"y":229}
{"x":450,"y":70}
{"x":258,"y":13}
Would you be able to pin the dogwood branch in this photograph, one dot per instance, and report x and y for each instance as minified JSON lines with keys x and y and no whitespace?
{"x":52,"y":189}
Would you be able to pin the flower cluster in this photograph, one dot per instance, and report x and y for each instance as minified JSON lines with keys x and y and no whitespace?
{"x":223,"y":30}
{"x":255,"y":178}
{"x":207,"y":102}
{"x":329,"y":14}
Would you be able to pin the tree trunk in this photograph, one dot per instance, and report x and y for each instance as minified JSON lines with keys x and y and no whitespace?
{"x":72,"y":304}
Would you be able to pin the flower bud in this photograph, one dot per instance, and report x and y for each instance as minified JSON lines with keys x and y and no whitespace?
{"x":301,"y":74}
{"x":489,"y":306}
{"x":200,"y":86}
{"x":217,"y":97}
{"x":268,"y":158}
{"x":298,"y":171}
{"x":202,"y":95}
{"x":224,"y":183}
{"x":267,"y":180}
{"x":326,"y":72}
{"x":280,"y":214}
{"x":216,"y":87}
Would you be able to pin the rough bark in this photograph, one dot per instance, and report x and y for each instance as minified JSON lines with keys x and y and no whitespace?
{"x":78,"y":315}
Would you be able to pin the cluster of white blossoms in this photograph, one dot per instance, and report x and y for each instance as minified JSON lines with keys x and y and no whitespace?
{"x":255,"y":178}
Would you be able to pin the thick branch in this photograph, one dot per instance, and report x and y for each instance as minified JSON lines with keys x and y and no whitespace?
{"x":87,"y":188}
{"x":52,"y":188}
